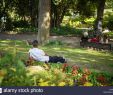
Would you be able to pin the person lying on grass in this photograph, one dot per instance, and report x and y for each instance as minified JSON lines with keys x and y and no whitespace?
{"x":39,"y":55}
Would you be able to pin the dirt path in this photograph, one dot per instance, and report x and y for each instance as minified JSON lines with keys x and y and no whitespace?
{"x":69,"y":40}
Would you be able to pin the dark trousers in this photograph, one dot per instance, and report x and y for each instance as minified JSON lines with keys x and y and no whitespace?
{"x":55,"y":59}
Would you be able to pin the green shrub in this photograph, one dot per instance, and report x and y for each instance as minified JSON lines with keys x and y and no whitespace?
{"x":110,"y":24}
{"x":16,"y":73}
{"x":78,"y":21}
{"x":66,"y":30}
{"x":9,"y":24}
{"x":20,"y":24}
{"x":26,"y":30}
{"x":108,"y":21}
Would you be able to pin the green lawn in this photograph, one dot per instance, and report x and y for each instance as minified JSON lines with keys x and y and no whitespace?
{"x":99,"y":61}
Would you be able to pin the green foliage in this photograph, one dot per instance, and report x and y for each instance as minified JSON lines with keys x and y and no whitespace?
{"x":8,"y":24}
{"x":26,"y":30}
{"x":56,"y":2}
{"x":110,"y":34}
{"x":16,"y":73}
{"x":109,"y":4}
{"x":93,"y":79}
{"x":28,"y":10}
{"x":78,"y":22}
{"x":6,"y":61}
{"x":20,"y":24}
{"x":108,"y":20}
{"x":66,"y":30}
{"x":110,"y":23}
{"x":99,"y":79}
{"x":86,"y":7}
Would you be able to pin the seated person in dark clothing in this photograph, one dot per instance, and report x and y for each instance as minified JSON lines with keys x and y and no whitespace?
{"x":84,"y":39}
{"x":39,"y":55}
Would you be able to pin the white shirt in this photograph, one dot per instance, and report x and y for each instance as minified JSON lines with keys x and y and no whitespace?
{"x":100,"y":26}
{"x":38,"y":55}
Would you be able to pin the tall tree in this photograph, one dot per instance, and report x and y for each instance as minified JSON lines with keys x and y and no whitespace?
{"x":44,"y":20}
{"x":100,"y":12}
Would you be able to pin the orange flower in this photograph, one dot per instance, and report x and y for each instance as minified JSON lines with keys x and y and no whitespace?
{"x":74,"y":72}
{"x":86,"y":71}
{"x":85,"y":76}
{"x":75,"y":67}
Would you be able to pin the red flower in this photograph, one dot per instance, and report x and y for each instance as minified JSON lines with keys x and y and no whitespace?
{"x":64,"y":67}
{"x":101,"y":79}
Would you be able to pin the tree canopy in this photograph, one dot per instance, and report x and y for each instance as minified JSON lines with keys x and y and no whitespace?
{"x":27,"y":11}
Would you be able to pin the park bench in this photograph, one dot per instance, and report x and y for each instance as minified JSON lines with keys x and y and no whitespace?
{"x":98,"y":46}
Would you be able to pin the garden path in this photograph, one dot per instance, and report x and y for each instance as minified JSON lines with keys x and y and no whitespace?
{"x":72,"y":41}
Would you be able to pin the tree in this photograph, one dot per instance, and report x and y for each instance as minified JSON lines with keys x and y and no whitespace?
{"x":86,"y":8}
{"x":43,"y":20}
{"x":100,"y":12}
{"x":58,"y":9}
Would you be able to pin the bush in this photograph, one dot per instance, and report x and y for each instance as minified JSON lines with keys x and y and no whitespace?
{"x":20,"y":24}
{"x":108,"y":22}
{"x":9,"y":24}
{"x":26,"y":30}
{"x":66,"y":30}
{"x":78,"y":21}
{"x":14,"y":73}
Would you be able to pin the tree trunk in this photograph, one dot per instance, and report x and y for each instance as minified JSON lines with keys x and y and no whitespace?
{"x":100,"y":12}
{"x":43,"y":20}
{"x":58,"y":12}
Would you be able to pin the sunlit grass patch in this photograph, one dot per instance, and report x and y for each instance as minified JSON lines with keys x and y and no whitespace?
{"x":98,"y":60}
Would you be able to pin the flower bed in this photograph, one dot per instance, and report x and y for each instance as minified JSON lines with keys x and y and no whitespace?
{"x":14,"y":73}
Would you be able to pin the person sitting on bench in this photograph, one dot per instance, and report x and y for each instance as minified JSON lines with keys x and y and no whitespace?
{"x":39,"y":55}
{"x":84,"y":37}
{"x":95,"y":39}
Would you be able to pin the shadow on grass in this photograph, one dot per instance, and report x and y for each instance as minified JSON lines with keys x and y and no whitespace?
{"x":94,"y":60}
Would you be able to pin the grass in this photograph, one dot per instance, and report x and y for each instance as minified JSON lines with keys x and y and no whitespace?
{"x":100,"y":61}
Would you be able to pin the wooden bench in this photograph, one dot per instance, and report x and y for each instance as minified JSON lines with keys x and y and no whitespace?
{"x":98,"y":46}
